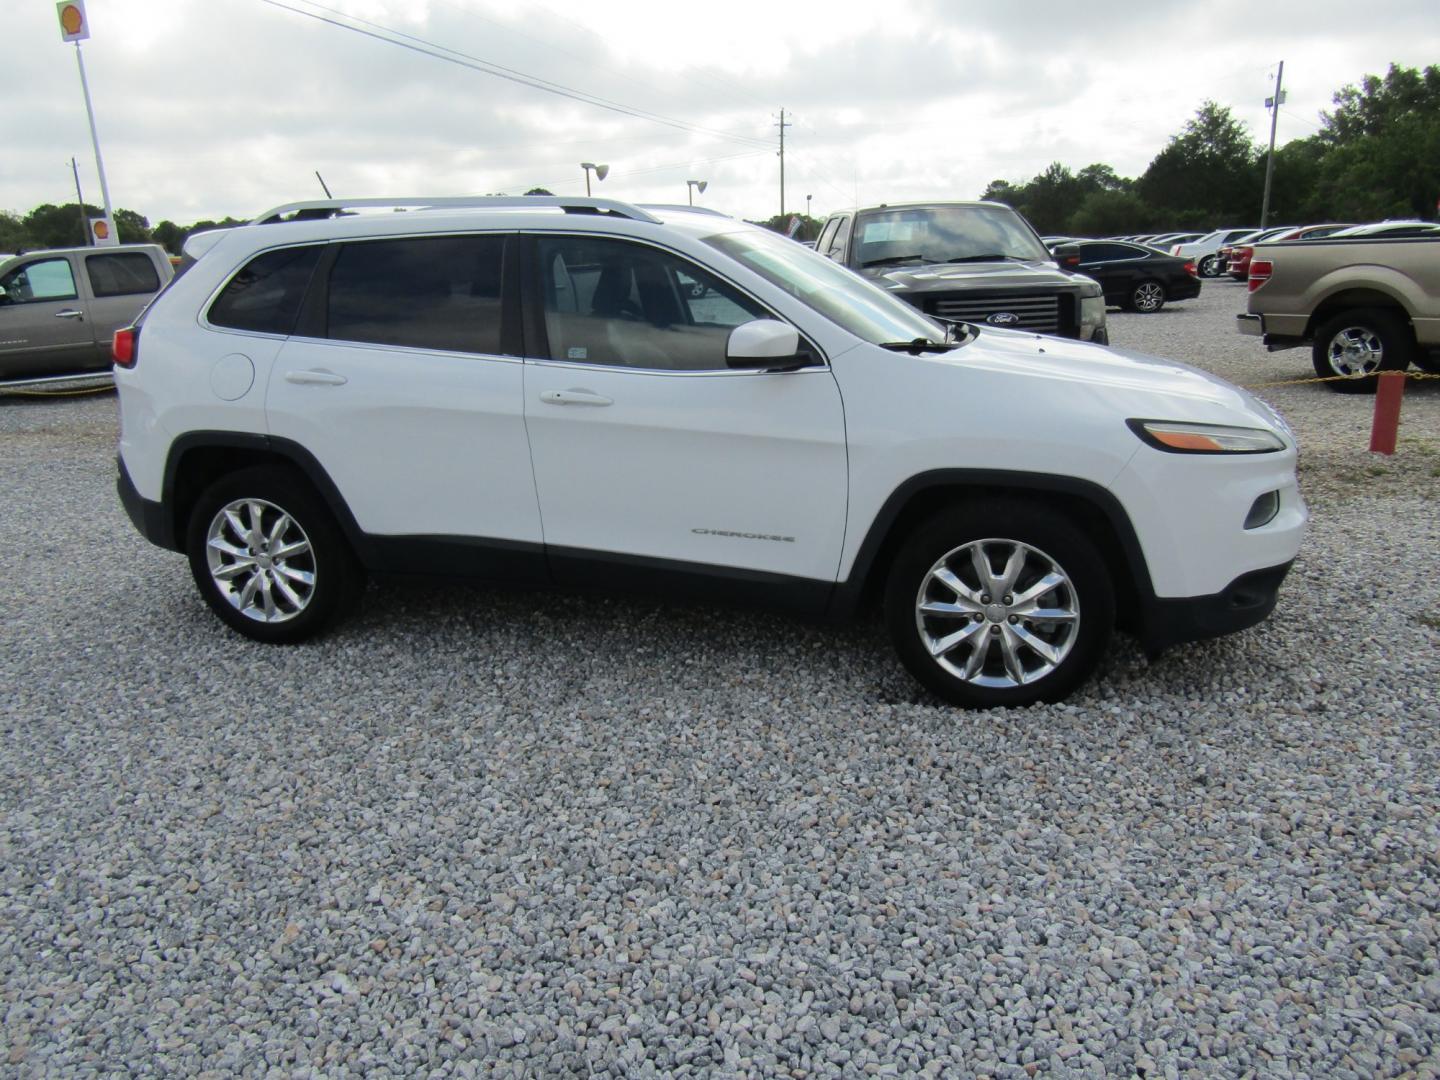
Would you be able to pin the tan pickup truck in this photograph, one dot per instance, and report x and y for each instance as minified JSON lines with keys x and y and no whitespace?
{"x":1363,"y":305}
{"x":59,"y":308}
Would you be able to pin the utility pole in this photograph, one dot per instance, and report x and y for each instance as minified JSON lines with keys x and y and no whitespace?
{"x":80,"y":204}
{"x":782,"y":126}
{"x":1273,"y":104}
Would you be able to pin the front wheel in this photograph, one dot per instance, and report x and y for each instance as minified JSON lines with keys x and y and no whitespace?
{"x":1355,"y":346}
{"x":268,"y":558}
{"x":999,"y":603}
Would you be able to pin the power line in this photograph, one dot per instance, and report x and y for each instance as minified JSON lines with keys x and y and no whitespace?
{"x":486,"y":67}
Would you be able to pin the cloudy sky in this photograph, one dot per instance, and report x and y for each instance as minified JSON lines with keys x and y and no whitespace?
{"x":208,"y":108}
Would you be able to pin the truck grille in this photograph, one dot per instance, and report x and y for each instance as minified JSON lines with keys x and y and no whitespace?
{"x":1040,"y":313}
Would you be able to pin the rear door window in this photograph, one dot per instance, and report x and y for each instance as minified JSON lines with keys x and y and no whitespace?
{"x":265,"y":295}
{"x":121,"y":273}
{"x":433,"y":292}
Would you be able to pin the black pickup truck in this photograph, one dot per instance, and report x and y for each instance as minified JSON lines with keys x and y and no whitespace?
{"x":978,"y":262}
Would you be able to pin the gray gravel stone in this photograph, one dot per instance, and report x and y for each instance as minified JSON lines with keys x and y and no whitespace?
{"x":477,"y":833}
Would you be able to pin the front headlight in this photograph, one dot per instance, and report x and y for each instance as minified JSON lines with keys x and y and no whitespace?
{"x":1092,"y":311}
{"x":1180,"y":438}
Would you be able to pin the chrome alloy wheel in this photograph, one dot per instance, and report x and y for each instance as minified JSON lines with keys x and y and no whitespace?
{"x":1149,"y":296}
{"x":1356,"y":350}
{"x":260,"y":560}
{"x":997,"y":613}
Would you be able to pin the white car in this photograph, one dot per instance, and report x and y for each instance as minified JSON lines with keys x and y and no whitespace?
{"x":1205,"y":252}
{"x":580,"y":392}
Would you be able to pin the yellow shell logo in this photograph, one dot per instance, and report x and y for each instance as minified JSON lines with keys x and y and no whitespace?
{"x":102,"y":230}
{"x":71,"y":20}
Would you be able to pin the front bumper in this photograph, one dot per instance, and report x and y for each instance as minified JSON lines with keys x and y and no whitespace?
{"x":1244,"y":602}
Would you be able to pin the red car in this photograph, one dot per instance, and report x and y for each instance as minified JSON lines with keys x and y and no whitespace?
{"x":1239,"y":265}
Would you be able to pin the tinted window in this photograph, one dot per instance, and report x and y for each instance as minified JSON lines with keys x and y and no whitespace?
{"x":265,"y":296}
{"x":432,"y":292}
{"x":49,"y":279}
{"x":124,"y":273}
{"x":627,"y":305}
{"x":1098,"y":253}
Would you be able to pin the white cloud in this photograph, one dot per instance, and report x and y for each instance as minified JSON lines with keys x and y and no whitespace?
{"x":216,"y":107}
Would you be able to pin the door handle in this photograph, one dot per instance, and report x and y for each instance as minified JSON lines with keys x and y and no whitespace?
{"x":315,"y":377}
{"x":70,"y":313}
{"x":574,"y":397}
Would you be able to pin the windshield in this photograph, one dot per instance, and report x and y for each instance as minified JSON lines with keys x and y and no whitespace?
{"x":939,"y":234}
{"x":866,"y":310}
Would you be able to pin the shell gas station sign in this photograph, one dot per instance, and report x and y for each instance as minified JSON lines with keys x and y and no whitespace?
{"x":74,"y":26}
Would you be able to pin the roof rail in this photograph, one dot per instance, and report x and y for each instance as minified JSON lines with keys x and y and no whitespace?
{"x":682,"y":207}
{"x":326,"y":208}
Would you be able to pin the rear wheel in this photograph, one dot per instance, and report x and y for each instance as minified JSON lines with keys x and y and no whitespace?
{"x":1148,"y":296}
{"x":1357,"y":345}
{"x":1211,"y":266}
{"x":268,"y":558}
{"x":999,"y":603}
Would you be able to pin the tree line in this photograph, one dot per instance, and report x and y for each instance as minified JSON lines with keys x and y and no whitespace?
{"x":1376,"y":155}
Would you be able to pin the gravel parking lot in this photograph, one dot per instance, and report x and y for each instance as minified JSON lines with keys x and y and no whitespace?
{"x":484,"y":833}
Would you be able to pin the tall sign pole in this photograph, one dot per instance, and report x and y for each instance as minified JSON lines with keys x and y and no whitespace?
{"x":1274,"y":105}
{"x":75,"y":26}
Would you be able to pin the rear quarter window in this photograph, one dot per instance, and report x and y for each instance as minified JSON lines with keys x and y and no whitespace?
{"x":265,"y":295}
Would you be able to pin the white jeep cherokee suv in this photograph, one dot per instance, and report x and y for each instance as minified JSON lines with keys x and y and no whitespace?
{"x":580,"y":391}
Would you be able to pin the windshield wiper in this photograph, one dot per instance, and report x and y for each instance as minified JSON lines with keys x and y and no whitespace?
{"x":989,"y":256}
{"x":893,"y":259}
{"x":919,"y":345}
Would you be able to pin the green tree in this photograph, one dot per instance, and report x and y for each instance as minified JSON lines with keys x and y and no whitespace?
{"x":1110,"y":213}
{"x":53,"y":226}
{"x":1210,"y":172}
{"x":132,"y":228}
{"x":14,"y":237}
{"x":1383,"y":146}
{"x":539,"y":191}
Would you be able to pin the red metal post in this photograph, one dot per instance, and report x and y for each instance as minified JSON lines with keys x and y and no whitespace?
{"x":1387,"y":412}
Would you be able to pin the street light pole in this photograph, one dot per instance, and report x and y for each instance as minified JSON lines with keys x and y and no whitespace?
{"x":1274,"y":104}
{"x":601,"y":171}
{"x":691,"y":185}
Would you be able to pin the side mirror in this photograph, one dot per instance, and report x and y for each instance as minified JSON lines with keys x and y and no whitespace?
{"x":1067,"y":256}
{"x":765,"y":345}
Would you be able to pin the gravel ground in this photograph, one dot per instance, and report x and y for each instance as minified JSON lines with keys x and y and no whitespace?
{"x":483,"y":833}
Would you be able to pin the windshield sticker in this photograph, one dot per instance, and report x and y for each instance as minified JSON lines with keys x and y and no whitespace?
{"x":577,"y":352}
{"x":884,"y":232}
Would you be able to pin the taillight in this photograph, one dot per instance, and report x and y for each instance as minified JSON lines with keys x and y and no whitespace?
{"x":1260,"y":271}
{"x":123,"y":346}
{"x":1190,"y":269}
{"x":1070,"y":260}
{"x":1175,"y":250}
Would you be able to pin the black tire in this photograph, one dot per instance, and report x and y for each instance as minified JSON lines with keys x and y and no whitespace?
{"x":1359,"y":344}
{"x":255,"y":549}
{"x":1211,"y":266}
{"x":975,"y":671}
{"x":1146,"y":297}
{"x":1428,"y":362}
